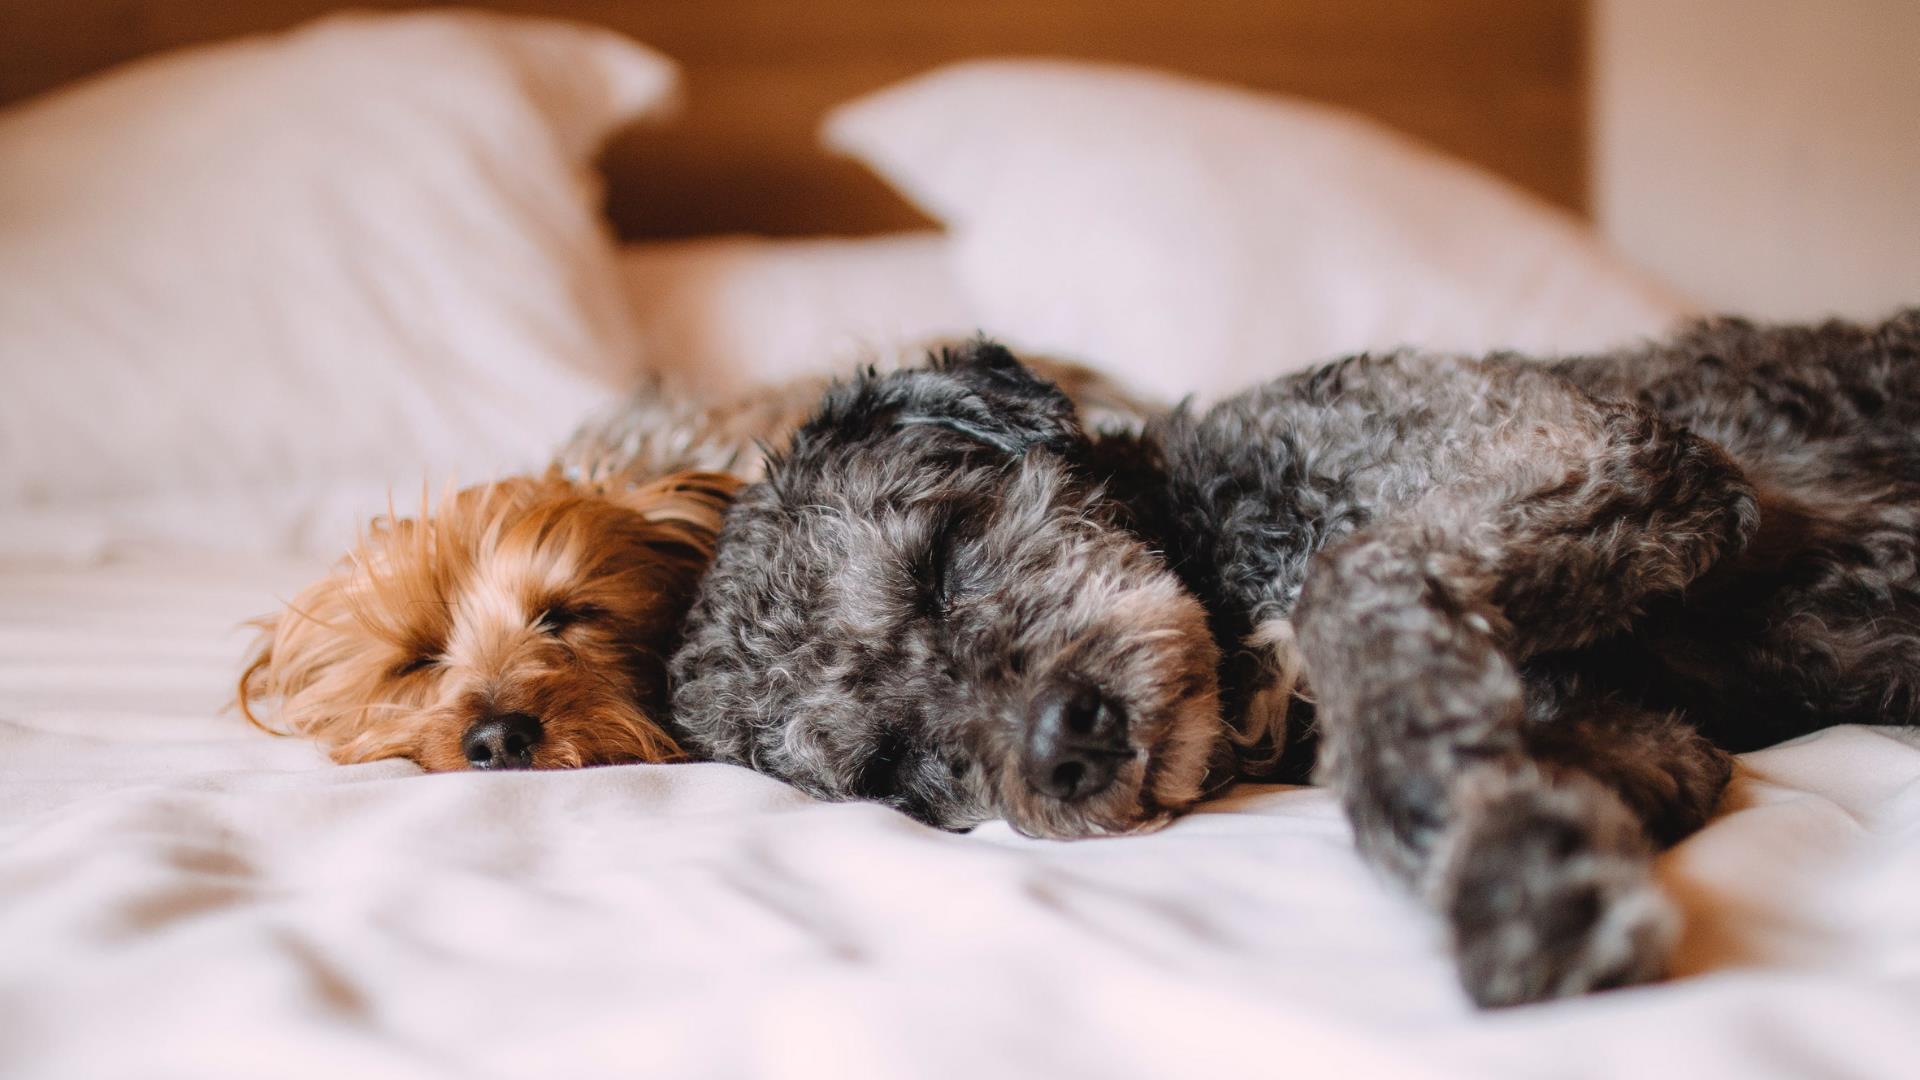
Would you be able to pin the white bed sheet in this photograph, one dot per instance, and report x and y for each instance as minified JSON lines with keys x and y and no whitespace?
{"x":183,"y":896}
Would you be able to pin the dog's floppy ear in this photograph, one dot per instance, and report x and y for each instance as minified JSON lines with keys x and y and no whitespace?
{"x":1021,"y":409}
{"x":977,"y":390}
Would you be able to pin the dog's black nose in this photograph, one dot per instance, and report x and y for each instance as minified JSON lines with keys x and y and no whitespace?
{"x":1076,"y":742}
{"x":503,"y":741}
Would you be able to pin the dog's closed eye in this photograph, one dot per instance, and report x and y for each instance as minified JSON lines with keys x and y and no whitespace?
{"x":879,"y":776}
{"x":415,"y":665}
{"x":557,"y":618}
{"x":940,"y":570}
{"x":940,"y":576}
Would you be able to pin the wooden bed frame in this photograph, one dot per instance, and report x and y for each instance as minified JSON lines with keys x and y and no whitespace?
{"x":1500,"y":82}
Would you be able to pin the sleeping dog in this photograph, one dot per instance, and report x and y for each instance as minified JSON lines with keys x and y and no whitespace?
{"x":1515,"y":614}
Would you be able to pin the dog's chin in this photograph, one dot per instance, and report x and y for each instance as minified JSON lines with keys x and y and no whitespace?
{"x":1129,"y":818}
{"x":1085,"y":828}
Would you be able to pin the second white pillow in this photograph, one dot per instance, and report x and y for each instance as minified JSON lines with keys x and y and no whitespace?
{"x":1193,"y":238}
{"x":716,"y":313}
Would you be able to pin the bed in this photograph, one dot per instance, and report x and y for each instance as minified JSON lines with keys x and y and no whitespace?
{"x":413,"y":277}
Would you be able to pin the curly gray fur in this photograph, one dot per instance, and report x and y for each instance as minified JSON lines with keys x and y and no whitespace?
{"x":881,"y":612}
{"x":1516,"y":615}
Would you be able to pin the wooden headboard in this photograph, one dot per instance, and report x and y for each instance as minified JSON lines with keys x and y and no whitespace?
{"x":1500,"y":82}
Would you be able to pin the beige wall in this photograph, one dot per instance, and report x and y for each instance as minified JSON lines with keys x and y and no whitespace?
{"x":1763,"y":155}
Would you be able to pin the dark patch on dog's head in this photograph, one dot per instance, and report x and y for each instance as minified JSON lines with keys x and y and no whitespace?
{"x":968,"y":399}
{"x":891,"y":612}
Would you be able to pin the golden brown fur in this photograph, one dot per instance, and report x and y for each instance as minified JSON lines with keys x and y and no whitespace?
{"x":536,"y":596}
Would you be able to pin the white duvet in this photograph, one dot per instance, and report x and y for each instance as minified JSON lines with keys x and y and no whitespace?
{"x":183,"y":896}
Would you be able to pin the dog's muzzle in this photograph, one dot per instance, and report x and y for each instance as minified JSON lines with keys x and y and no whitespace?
{"x":1076,"y":742}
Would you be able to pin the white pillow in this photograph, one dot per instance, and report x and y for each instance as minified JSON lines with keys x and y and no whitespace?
{"x":1192,"y":237}
{"x":718,"y":313}
{"x":365,"y":248}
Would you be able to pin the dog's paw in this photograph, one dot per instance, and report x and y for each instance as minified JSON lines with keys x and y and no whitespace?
{"x":1552,"y":899}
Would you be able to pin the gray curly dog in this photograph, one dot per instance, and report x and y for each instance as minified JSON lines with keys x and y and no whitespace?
{"x":1515,"y":614}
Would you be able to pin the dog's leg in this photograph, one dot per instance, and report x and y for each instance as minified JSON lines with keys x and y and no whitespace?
{"x":1543,"y":878}
{"x":1412,"y":631}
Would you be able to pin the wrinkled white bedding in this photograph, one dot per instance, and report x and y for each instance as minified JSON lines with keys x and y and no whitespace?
{"x":183,"y":896}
